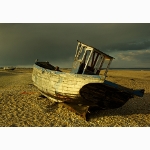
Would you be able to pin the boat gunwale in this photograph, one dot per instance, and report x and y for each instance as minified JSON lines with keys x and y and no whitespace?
{"x":101,"y":77}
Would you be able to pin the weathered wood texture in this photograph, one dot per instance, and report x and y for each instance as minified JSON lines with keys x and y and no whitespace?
{"x":59,"y":85}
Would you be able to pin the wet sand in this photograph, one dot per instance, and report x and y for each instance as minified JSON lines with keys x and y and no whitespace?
{"x":20,"y":104}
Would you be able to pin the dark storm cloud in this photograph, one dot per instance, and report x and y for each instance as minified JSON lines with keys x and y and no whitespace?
{"x":21,"y":44}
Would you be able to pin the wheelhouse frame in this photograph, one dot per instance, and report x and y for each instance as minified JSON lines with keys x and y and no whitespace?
{"x":89,"y":60}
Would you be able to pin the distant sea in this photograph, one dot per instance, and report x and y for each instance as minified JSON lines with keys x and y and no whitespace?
{"x":136,"y":69}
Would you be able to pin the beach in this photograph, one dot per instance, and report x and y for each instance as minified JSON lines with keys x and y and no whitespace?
{"x":22,"y":106}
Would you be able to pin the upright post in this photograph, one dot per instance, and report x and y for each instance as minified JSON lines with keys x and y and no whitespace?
{"x":107,"y":67}
{"x":87,"y":61}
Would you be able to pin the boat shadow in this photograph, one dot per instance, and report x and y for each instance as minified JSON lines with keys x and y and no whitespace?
{"x":137,"y":105}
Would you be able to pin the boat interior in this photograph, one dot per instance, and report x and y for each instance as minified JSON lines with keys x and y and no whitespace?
{"x":47,"y":65}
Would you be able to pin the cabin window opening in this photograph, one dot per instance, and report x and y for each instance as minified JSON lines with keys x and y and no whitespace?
{"x":81,"y":54}
{"x":84,"y":61}
{"x":94,"y":60}
{"x":105,"y":66}
{"x":87,"y":54}
{"x":90,"y":62}
{"x":87,"y":60}
{"x":97,"y":64}
{"x":78,"y":51}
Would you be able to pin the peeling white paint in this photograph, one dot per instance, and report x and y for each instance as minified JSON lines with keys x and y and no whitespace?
{"x":68,"y":84}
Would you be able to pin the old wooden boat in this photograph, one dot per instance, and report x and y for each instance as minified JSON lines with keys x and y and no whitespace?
{"x":86,"y":84}
{"x":9,"y":68}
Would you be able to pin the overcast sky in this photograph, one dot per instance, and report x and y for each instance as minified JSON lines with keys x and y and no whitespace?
{"x":21,"y":44}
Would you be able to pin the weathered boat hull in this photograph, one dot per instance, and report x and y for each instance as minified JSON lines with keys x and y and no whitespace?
{"x":106,"y":96}
{"x":61,"y":86}
{"x":9,"y":68}
{"x":85,"y":90}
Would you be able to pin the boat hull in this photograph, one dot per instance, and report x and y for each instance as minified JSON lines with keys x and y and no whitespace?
{"x":85,"y":90}
{"x":60,"y":86}
{"x":9,"y":68}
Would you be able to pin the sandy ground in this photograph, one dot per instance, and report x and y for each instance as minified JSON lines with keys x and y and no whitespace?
{"x":21,"y":106}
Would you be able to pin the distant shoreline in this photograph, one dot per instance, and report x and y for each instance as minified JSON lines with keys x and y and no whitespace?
{"x":148,"y":69}
{"x":137,"y":69}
